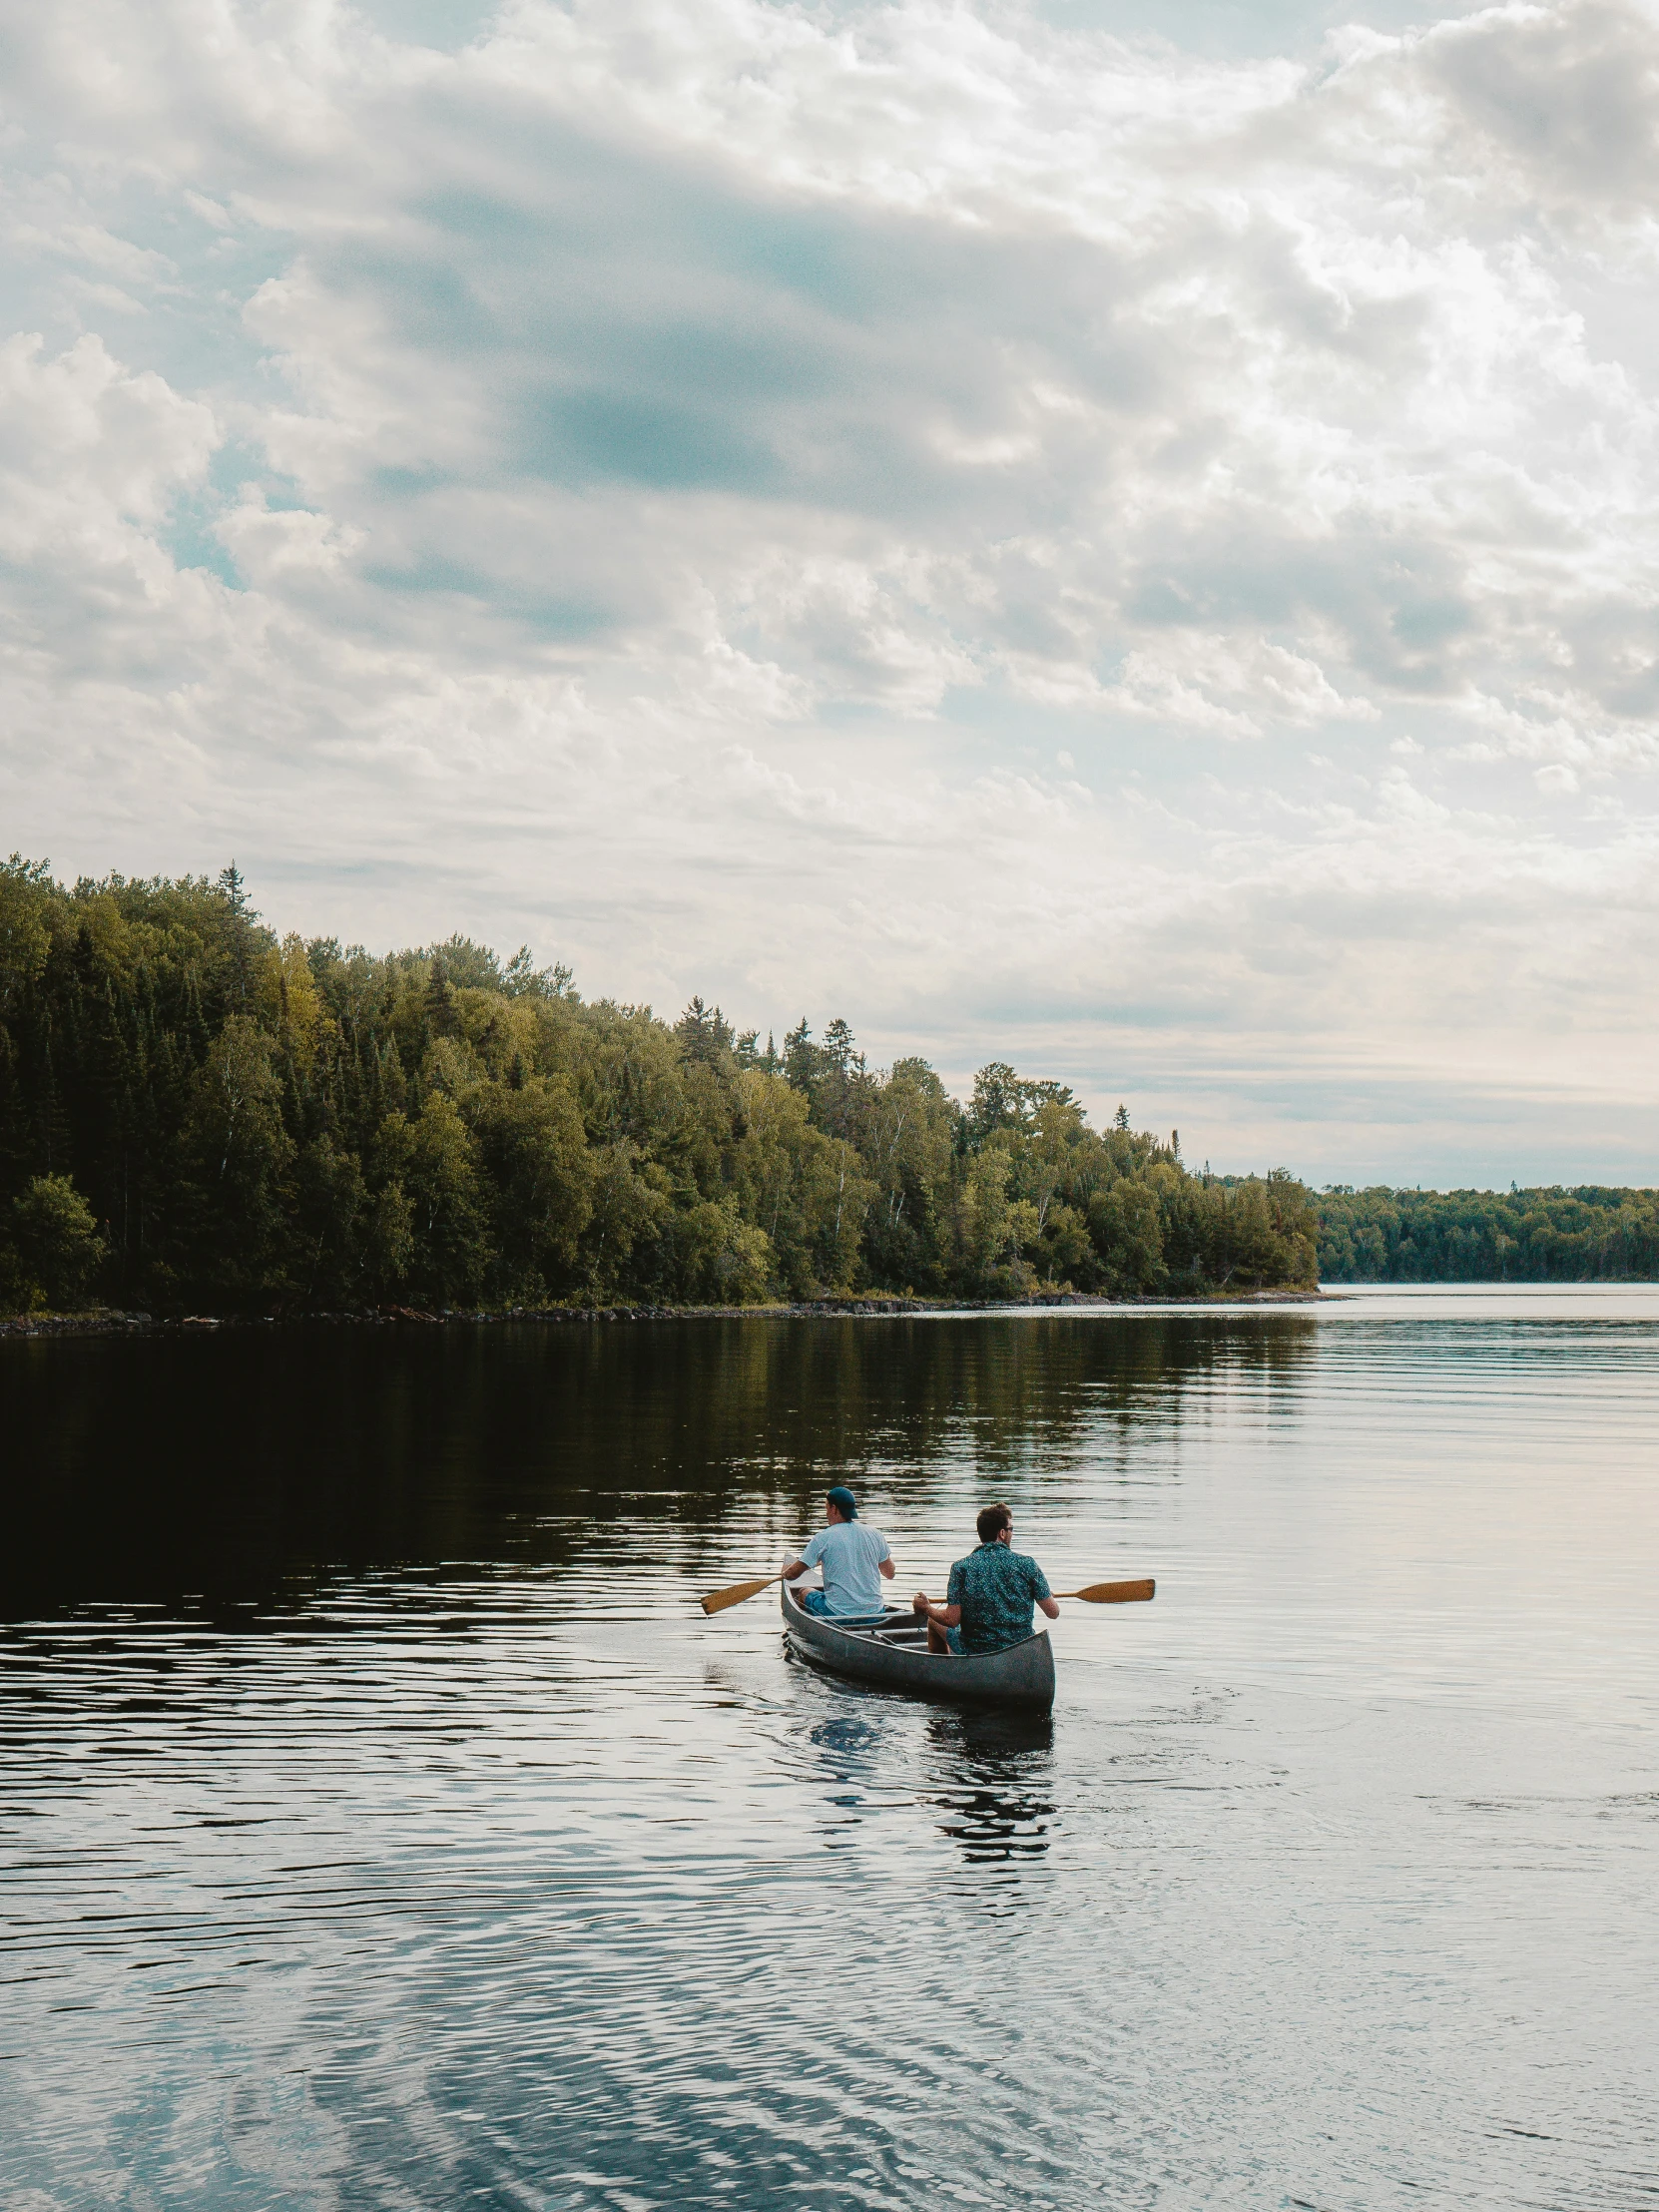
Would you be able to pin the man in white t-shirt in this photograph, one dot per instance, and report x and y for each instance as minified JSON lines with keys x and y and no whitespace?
{"x":853,"y":1557}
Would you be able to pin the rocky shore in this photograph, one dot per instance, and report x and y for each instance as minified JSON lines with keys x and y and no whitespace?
{"x":104,"y":1323}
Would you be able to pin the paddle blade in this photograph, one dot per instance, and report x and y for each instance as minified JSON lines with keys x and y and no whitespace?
{"x":1114,"y":1593}
{"x":718,"y":1600}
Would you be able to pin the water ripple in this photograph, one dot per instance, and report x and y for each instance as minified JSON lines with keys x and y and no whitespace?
{"x":440,"y":1852}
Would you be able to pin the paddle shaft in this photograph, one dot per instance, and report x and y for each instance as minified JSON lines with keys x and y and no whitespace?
{"x":1113,"y":1594}
{"x":1097,"y":1593}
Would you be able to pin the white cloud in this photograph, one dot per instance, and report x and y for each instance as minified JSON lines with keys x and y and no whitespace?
{"x":662,"y":476}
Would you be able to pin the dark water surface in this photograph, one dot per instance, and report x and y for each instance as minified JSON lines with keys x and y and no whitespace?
{"x":382,"y":1825}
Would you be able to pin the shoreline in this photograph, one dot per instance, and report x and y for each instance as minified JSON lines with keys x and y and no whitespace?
{"x":108,"y":1322}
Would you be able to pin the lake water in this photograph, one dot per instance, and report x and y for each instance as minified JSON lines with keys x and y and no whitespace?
{"x":382,"y":1825}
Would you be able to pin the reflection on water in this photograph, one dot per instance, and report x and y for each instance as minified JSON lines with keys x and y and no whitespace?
{"x":382,"y":1825}
{"x":992,"y":1783}
{"x":996,"y":1824}
{"x":227,"y":1466}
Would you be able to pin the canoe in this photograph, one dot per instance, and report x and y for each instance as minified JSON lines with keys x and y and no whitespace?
{"x":893,"y":1654}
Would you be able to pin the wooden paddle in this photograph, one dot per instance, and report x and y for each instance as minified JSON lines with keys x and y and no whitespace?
{"x":718,"y":1600}
{"x":1097,"y":1593}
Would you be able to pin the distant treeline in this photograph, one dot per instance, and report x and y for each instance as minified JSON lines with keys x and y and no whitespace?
{"x":1589,"y":1235}
{"x":196,"y":1115}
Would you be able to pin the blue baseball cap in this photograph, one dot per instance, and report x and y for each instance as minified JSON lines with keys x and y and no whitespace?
{"x":843,"y":1501}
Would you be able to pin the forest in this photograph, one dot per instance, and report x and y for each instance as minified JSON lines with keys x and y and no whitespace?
{"x":200,"y":1116}
{"x":1592,"y":1233}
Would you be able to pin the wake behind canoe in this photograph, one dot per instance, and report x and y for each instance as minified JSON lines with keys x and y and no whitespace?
{"x":893,"y":1654}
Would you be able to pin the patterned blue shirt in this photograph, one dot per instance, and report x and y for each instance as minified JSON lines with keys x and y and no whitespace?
{"x":995,"y":1587}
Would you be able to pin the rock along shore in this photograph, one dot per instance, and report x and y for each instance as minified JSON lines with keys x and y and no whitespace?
{"x":107,"y":1323}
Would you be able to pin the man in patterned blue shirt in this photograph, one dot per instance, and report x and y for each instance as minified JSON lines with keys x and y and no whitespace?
{"x":988,"y":1605}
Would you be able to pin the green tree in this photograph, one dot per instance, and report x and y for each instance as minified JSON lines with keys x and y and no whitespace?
{"x":709,"y":1255}
{"x":629,"y":1207}
{"x":433,"y":1161}
{"x":238,"y":1153}
{"x":909,"y":1154}
{"x":331,"y":1218}
{"x":26,"y":906}
{"x":993,"y":1228}
{"x":806,"y":1190}
{"x":1126,"y":1230}
{"x":57,"y":1241}
{"x":540,"y":1175}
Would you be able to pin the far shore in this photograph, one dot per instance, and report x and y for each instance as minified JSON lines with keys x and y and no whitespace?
{"x":109,"y":1321}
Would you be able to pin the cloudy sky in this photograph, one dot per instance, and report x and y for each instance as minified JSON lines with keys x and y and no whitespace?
{"x":1120,"y":536}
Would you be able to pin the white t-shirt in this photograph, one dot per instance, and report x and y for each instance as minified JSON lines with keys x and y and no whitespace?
{"x":851,"y":1553}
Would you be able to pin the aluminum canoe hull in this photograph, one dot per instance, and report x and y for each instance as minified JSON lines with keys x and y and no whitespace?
{"x":1022,"y":1676}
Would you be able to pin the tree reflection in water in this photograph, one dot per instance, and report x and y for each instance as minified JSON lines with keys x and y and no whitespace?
{"x":233,"y":1465}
